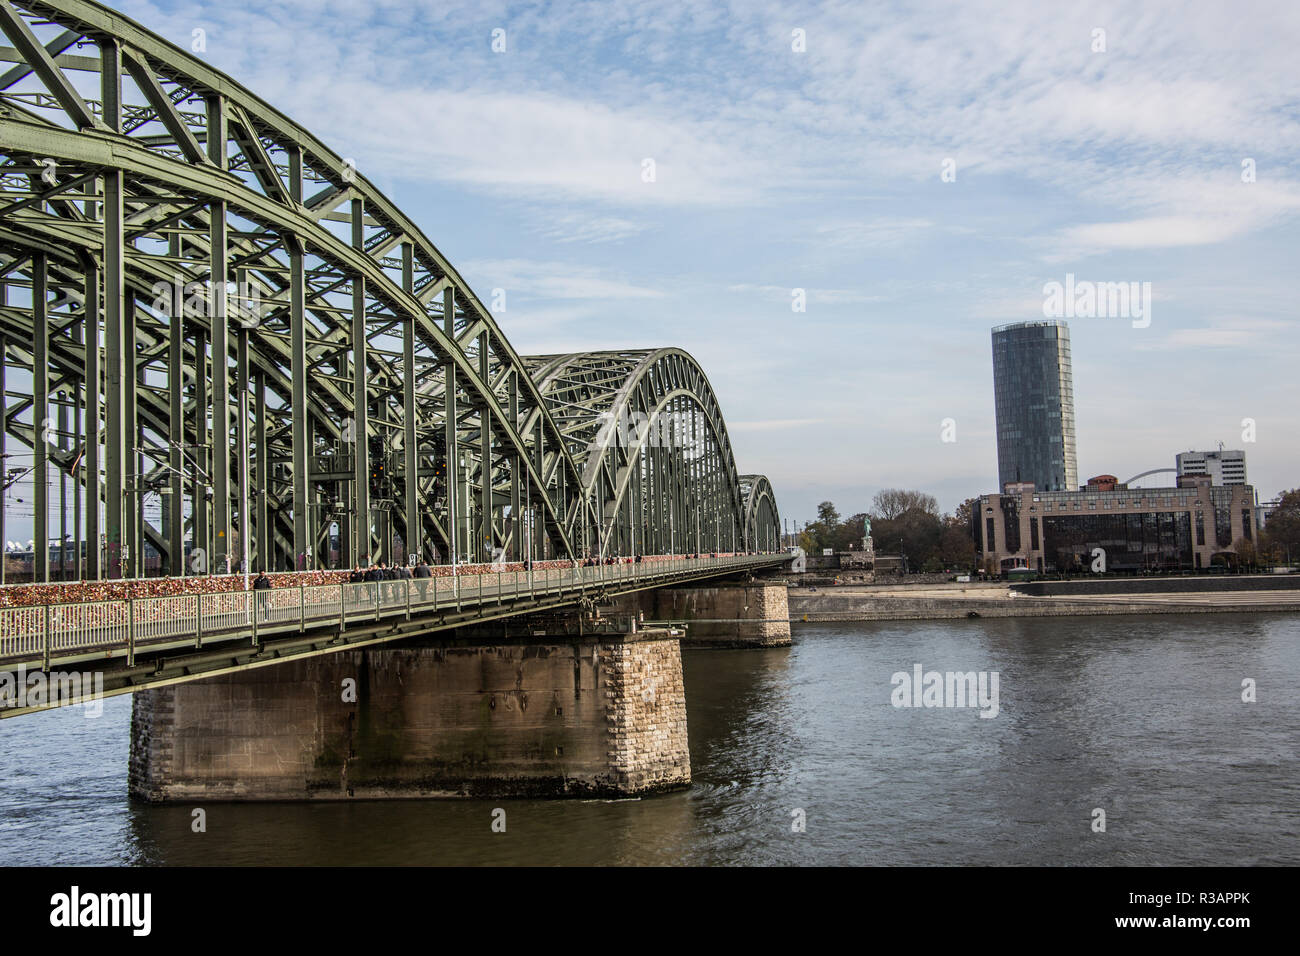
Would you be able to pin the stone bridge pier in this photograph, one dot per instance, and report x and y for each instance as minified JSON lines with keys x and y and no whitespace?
{"x":717,"y":613}
{"x":598,"y":715}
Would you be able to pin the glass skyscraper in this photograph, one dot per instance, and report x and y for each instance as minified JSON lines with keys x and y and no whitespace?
{"x":1034,"y":393}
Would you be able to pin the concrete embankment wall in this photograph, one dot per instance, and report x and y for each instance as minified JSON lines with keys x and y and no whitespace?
{"x":824,"y":606}
{"x":599,"y":716}
{"x":827,"y":605}
{"x":1203,"y":584}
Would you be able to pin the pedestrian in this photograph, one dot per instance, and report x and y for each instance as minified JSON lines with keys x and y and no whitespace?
{"x":422,"y":575}
{"x":261,"y":583}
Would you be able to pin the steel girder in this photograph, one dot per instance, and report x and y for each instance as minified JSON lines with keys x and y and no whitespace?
{"x":647,"y":431}
{"x":199,"y":300}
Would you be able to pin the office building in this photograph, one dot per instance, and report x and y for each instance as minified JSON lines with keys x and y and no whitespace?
{"x":1034,"y":401}
{"x":1223,"y":467}
{"x":1139,"y":529}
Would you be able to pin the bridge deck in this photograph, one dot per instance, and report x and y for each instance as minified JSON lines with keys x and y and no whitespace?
{"x":190,"y":636}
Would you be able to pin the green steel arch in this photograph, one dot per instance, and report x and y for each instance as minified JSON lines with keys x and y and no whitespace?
{"x":230,"y":342}
{"x":762,"y":519}
{"x":647,"y":432}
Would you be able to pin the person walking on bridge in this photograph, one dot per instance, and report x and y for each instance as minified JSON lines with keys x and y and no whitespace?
{"x":422,"y":575}
{"x":261,"y":583}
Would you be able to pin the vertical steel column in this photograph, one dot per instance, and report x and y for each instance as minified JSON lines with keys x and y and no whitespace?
{"x":638,"y":522}
{"x":516,"y":529}
{"x":715,"y":465}
{"x":485,"y":453}
{"x":176,"y":432}
{"x":218,"y":132}
{"x":537,"y":548}
{"x":219,"y":323}
{"x":262,"y":520}
{"x":61,"y":401}
{"x":449,"y":425}
{"x":133,"y":505}
{"x":652,"y":490}
{"x":413,"y":534}
{"x":665,"y":486}
{"x":4,"y":430}
{"x":298,"y":367}
{"x":110,"y":80}
{"x":110,"y":83}
{"x":200,"y":478}
{"x":360,"y":402}
{"x":115,"y":424}
{"x":80,"y":455}
{"x":40,"y":417}
{"x":91,"y":375}
{"x":683,"y":477}
{"x":693,"y":476}
{"x":241,"y":443}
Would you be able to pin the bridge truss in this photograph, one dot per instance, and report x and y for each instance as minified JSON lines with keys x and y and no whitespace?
{"x":225,"y":341}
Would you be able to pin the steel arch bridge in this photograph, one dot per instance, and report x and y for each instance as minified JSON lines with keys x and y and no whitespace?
{"x":206,"y":312}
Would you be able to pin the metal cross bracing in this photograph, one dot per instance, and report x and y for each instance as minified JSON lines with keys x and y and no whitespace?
{"x":761,"y":514}
{"x":281,"y":366}
{"x":646,"y":430}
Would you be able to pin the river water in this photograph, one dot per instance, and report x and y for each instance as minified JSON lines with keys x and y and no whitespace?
{"x":1139,"y":717}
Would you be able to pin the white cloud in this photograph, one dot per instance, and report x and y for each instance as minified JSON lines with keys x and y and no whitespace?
{"x":870,"y":233}
{"x":1229,"y":333}
{"x":785,"y":294}
{"x":553,"y":280}
{"x":576,"y":227}
{"x":772,"y":424}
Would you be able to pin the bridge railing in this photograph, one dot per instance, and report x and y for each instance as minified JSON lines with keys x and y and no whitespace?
{"x":42,"y":632}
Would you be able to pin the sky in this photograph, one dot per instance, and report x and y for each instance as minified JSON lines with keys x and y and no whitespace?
{"x":919,"y":170}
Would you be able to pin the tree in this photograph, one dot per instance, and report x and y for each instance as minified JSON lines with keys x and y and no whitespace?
{"x":1267,"y":550}
{"x":890,"y":503}
{"x":916,"y":531}
{"x":900,"y":518}
{"x":964,"y":515}
{"x":1283,"y":525}
{"x":821,"y":530}
{"x":956,"y":545}
{"x":848,"y":535}
{"x":827,"y":515}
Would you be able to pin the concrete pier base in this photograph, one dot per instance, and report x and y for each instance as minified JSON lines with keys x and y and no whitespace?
{"x":726,"y":614}
{"x":597,"y":716}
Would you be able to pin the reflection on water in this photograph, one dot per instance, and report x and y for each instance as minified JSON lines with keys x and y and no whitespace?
{"x":1141,"y":717}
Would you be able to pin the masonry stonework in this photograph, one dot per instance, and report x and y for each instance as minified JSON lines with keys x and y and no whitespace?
{"x":599,"y":716}
{"x":752,"y":614}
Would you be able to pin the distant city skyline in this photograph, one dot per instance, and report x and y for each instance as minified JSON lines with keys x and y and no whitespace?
{"x":913,"y":187}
